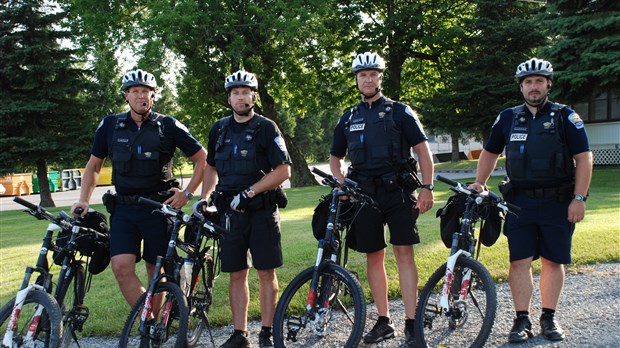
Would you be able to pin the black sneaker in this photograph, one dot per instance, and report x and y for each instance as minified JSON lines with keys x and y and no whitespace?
{"x":521,"y":330}
{"x":237,"y":340}
{"x":382,"y":330}
{"x":550,"y":328}
{"x":264,"y":339}
{"x":409,"y":333}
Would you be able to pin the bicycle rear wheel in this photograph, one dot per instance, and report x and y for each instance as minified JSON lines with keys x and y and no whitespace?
{"x":467,"y":323}
{"x":71,"y":301}
{"x":168,"y":328}
{"x":340,"y":307}
{"x":49,"y":328}
{"x":199,"y":302}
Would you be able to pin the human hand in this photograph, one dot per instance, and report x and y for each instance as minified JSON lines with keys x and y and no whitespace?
{"x":240,"y":201}
{"x":425,"y":201}
{"x":200,"y":206}
{"x":478,"y":187}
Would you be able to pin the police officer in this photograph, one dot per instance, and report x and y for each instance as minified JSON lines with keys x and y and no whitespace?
{"x":378,"y":134}
{"x":140,"y":144}
{"x":549,"y":166}
{"x":248,"y":160}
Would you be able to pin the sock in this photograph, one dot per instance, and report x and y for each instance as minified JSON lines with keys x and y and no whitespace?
{"x":265,"y":329}
{"x":239,"y":332}
{"x":521,"y":314}
{"x":384,"y":320}
{"x":409,"y":324}
{"x":548,"y":312}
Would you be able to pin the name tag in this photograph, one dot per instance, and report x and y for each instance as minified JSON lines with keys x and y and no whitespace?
{"x":357,"y":127}
{"x":121,"y":140}
{"x":518,"y":136}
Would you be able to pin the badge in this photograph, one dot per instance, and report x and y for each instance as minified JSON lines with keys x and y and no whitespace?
{"x":279,"y":140}
{"x":381,"y":114}
{"x":518,"y":136}
{"x":357,"y":127}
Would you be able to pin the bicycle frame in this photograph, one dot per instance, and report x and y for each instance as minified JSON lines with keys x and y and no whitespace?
{"x":19,"y":302}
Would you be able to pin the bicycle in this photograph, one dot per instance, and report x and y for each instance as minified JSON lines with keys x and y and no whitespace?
{"x":49,"y":315}
{"x":326,"y":296}
{"x":183,"y":313}
{"x":457,"y":305}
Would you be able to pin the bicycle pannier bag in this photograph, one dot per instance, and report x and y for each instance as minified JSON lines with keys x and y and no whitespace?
{"x":98,"y":249}
{"x":491,"y":225}
{"x":321,"y":215}
{"x":450,"y":217}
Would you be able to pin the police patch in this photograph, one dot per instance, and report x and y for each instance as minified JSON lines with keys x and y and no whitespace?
{"x":576,"y":120}
{"x":357,"y":127}
{"x":496,"y":120}
{"x":181,"y":126}
{"x":409,"y":111}
{"x":518,"y":136}
{"x":280,"y":142}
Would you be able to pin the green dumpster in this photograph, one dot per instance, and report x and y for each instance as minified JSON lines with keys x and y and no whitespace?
{"x":52,"y":177}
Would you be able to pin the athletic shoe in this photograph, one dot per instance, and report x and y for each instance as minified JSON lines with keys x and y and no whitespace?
{"x":264,"y":339}
{"x":521,"y":330}
{"x":237,"y":340}
{"x":382,"y":330}
{"x":550,"y":328}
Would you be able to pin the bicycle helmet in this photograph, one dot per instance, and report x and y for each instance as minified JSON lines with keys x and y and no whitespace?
{"x":534,"y":66}
{"x":366,"y":61}
{"x":241,"y":78}
{"x":139,"y":78}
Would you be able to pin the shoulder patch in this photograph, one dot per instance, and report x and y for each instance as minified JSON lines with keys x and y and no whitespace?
{"x":575,"y":120}
{"x":99,"y":126}
{"x":181,"y":126}
{"x":496,"y":120}
{"x":279,"y":140}
{"x":409,"y":111}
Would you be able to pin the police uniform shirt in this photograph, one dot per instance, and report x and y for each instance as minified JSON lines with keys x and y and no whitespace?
{"x":269,"y":139}
{"x":575,"y":133}
{"x":176,"y":135}
{"x":404,"y":117}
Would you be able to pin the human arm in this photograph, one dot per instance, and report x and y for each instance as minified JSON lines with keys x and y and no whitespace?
{"x":335,"y":166}
{"x":583,"y":176}
{"x":179,"y":199}
{"x":90,"y":177}
{"x":486,"y":165}
{"x":425,"y":159}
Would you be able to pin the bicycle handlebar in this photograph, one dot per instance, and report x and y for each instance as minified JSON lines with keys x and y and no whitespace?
{"x":168,"y":210}
{"x":492,"y":196}
{"x":349,"y":187}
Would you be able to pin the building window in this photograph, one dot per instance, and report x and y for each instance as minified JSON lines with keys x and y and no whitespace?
{"x":604,"y":108}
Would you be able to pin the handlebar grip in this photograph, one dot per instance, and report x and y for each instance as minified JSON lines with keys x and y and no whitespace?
{"x":447,"y":181}
{"x":219,"y":229}
{"x":513,"y":207}
{"x":149,"y":202}
{"x":78,"y":211}
{"x":320,"y":173}
{"x":25,"y":203}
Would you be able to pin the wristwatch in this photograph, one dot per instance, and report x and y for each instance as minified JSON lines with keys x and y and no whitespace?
{"x":188,"y":194}
{"x":250,"y":192}
{"x":429,"y":187}
{"x":579,"y":198}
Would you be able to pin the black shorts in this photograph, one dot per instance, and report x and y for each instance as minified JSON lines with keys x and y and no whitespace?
{"x":397,"y":210}
{"x":132,"y":224}
{"x":541,"y":228}
{"x":256,"y":231}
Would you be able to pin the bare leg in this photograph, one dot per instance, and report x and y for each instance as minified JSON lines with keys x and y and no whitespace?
{"x":521,"y":283}
{"x":268,"y":295}
{"x":124,"y":269}
{"x":377,"y":279}
{"x":551,"y":283}
{"x":239,"y":296}
{"x":408,"y":276}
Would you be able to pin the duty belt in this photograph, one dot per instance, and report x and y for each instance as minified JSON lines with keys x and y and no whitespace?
{"x":546,"y":192}
{"x":133,"y":199}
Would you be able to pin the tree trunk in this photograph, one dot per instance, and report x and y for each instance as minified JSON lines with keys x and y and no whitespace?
{"x":455,"y":147}
{"x":44,"y":185}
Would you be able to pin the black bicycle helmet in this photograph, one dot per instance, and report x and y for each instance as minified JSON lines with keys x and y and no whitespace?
{"x":534,"y":66}
{"x":241,"y":78}
{"x":368,"y":61}
{"x":139,"y":78}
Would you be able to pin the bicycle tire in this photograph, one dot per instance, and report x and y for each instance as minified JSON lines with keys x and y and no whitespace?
{"x":170,"y":334}
{"x":470,"y":327}
{"x":71,"y":300}
{"x":50,"y":324}
{"x":199,"y":302}
{"x":347,"y":311}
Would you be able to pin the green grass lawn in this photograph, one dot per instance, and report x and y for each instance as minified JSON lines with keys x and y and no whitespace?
{"x":597,"y":239}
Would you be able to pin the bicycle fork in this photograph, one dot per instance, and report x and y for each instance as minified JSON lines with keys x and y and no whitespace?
{"x":34,"y":321}
{"x":445,"y":292}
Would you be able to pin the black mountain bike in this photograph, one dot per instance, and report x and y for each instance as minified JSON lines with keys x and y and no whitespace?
{"x":36,"y":319}
{"x":167,"y":315}
{"x":326,"y":297}
{"x":457,"y":306}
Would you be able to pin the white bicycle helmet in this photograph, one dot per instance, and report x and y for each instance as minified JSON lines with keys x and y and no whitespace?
{"x":139,"y":78}
{"x":241,"y":78}
{"x":534,"y":66}
{"x":366,"y":61}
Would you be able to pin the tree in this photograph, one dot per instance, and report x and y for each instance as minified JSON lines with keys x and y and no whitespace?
{"x":43,"y":108}
{"x":586,"y":47}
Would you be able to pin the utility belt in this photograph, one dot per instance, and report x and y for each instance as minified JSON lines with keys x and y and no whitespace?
{"x":270,"y":198}
{"x":562,"y":193}
{"x":389,"y":182}
{"x":111,"y":200}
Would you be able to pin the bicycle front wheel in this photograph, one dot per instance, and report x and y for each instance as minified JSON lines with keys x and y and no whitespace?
{"x":71,"y":301}
{"x":467,"y":322}
{"x":199,"y":301}
{"x":166,"y":325}
{"x":335,"y":318}
{"x":48,"y":324}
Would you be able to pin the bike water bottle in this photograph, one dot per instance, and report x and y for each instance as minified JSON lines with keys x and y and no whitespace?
{"x":186,"y":275}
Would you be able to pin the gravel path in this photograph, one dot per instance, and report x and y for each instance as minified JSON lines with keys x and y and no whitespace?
{"x":589,"y":313}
